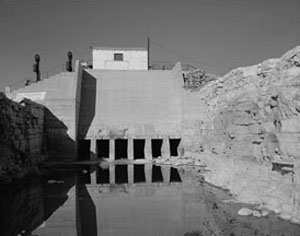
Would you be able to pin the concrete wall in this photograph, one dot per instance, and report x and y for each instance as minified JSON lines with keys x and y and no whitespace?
{"x":194,"y":118}
{"x":78,"y":82}
{"x":60,"y":94}
{"x":131,"y":104}
{"x":21,"y":133}
{"x":133,"y":59}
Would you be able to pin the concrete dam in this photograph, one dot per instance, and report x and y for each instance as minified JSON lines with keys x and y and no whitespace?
{"x":116,"y":109}
{"x":239,"y":132}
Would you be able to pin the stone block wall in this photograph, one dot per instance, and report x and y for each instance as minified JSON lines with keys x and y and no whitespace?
{"x":21,"y":133}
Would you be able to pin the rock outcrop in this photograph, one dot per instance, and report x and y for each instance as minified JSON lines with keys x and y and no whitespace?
{"x":196,"y":79}
{"x":252,"y":111}
{"x":21,"y":135}
{"x":244,"y":128}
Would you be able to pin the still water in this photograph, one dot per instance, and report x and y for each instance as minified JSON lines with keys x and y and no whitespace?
{"x":125,"y":199}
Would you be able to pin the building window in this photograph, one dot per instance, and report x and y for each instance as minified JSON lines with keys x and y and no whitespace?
{"x":118,"y":56}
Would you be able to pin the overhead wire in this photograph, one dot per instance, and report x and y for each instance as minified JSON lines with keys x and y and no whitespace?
{"x":198,"y":63}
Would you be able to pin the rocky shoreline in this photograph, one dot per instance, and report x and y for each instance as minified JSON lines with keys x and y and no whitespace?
{"x":243,"y":132}
{"x":249,"y":182}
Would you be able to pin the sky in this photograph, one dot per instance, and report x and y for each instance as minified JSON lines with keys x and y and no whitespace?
{"x":214,"y":35}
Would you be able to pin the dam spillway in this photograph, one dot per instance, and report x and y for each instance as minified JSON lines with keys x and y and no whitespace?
{"x":110,"y":113}
{"x":130,"y":149}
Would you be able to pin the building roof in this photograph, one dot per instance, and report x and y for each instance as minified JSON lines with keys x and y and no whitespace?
{"x":120,"y":48}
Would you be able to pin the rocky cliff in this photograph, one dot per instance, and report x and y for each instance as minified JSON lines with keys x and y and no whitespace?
{"x":250,"y":112}
{"x":244,"y":129}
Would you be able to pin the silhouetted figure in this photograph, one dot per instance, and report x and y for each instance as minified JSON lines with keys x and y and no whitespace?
{"x":69,"y":62}
{"x":36,"y":67}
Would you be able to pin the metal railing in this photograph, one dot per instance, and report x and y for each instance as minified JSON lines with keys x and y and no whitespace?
{"x":45,"y":74}
{"x":168,"y":65}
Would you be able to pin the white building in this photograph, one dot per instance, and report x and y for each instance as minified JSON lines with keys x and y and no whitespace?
{"x":105,"y":58}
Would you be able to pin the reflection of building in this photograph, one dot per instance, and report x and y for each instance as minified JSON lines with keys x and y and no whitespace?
{"x":118,"y":109}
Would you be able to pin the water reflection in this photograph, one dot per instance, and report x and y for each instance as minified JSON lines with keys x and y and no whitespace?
{"x":174,"y":175}
{"x":25,"y":205}
{"x":21,"y":208}
{"x":157,"y":174}
{"x":86,"y":218}
{"x":139,"y":174}
{"x":133,"y":199}
{"x":121,"y":173}
{"x":84,"y":176}
{"x":130,"y":174}
{"x":131,"y":204}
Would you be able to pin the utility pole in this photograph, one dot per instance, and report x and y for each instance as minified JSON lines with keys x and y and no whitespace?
{"x":148,"y":49}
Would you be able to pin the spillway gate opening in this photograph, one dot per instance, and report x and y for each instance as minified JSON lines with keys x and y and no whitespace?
{"x":139,"y":174}
{"x":121,"y":174}
{"x":139,"y":149}
{"x":121,"y":149}
{"x":174,"y":144}
{"x":103,"y":148}
{"x":156,"y":145}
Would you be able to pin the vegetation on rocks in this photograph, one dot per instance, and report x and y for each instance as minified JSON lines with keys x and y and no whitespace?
{"x":195,"y":79}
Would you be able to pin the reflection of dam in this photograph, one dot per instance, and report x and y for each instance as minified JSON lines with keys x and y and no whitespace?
{"x":86,"y":203}
{"x":138,"y":200}
{"x":133,"y":174}
{"x":128,"y":200}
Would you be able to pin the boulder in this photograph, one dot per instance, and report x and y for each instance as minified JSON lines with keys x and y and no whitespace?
{"x":256,"y":214}
{"x":245,"y":212}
